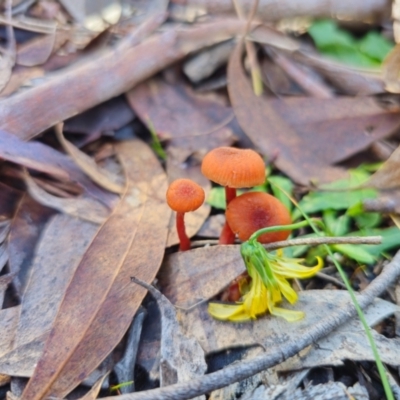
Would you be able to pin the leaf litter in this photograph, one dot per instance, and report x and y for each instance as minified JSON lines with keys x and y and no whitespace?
{"x":314,"y":136}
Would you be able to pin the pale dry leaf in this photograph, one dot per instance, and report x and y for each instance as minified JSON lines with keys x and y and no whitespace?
{"x":182,"y":357}
{"x":388,"y":175}
{"x":83,"y":207}
{"x":50,"y":270}
{"x":130,"y":242}
{"x":391,"y":69}
{"x":102,"y":177}
{"x":269,"y":331}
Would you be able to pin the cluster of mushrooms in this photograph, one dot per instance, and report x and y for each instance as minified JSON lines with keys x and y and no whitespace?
{"x":245,"y":214}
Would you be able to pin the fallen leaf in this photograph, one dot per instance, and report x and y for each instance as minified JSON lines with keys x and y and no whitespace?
{"x":37,"y":50}
{"x":268,"y":331}
{"x":390,"y":70}
{"x":388,"y":175}
{"x":84,"y":207}
{"x":124,"y":369}
{"x":8,"y":324}
{"x":130,"y":242}
{"x":189,"y":277}
{"x":45,"y":159}
{"x":102,"y":177}
{"x":305,"y":142}
{"x":181,"y":116}
{"x":95,"y":390}
{"x":149,"y":57}
{"x":50,"y":270}
{"x":28,"y":221}
{"x":102,"y":119}
{"x":182,"y":358}
{"x":9,"y":198}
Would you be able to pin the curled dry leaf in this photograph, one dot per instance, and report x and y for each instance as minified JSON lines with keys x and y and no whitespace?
{"x":84,"y":207}
{"x":102,"y":177}
{"x":188,"y":277}
{"x":45,"y":159}
{"x":305,"y":142}
{"x":26,"y":226}
{"x":8,"y":325}
{"x":50,"y":270}
{"x":390,"y":70}
{"x":202,"y":124}
{"x":100,"y":300}
{"x":182,"y":358}
{"x":388,"y":175}
{"x":149,"y":57}
{"x":268,"y":331}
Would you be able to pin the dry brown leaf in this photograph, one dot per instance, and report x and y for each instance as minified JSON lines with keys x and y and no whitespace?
{"x":388,"y":175}
{"x":100,"y":300}
{"x":43,"y":105}
{"x":8,"y":325}
{"x":306,"y":135}
{"x":37,"y":50}
{"x":83,"y":207}
{"x":182,"y":358}
{"x":269,"y":331}
{"x":45,"y":159}
{"x":390,"y":70}
{"x":95,"y":390}
{"x":178,"y":114}
{"x":8,"y":200}
{"x":102,"y":177}
{"x":189,"y":277}
{"x":50,"y":270}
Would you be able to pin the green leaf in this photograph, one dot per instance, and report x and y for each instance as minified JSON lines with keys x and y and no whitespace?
{"x":277,"y":183}
{"x":355,"y":252}
{"x":336,"y":226}
{"x":343,"y":47}
{"x":375,"y":46}
{"x":390,"y":240}
{"x":216,"y":198}
{"x":368,"y":220}
{"x":342,"y":199}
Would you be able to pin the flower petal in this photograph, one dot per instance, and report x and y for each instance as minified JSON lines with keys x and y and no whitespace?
{"x":231,"y":312}
{"x":288,"y":292}
{"x":291,"y":269}
{"x":289,"y":315}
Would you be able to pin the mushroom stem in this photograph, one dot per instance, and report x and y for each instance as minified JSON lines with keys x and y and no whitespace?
{"x":180,"y":227}
{"x":227,"y":236}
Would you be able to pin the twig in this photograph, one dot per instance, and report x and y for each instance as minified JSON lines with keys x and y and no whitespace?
{"x":273,"y":355}
{"x":331,"y":279}
{"x":308,"y":241}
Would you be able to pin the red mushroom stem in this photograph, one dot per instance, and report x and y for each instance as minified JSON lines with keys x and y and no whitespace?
{"x":227,"y":236}
{"x":180,"y":227}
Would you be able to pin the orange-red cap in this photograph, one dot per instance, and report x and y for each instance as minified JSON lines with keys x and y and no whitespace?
{"x":184,"y":195}
{"x":255,"y":210}
{"x":236,"y":168}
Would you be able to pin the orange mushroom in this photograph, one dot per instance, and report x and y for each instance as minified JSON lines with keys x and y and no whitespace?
{"x":233,"y":168}
{"x":184,"y":195}
{"x":255,"y":210}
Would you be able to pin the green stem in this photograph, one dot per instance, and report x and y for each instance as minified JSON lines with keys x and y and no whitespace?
{"x":278,"y":228}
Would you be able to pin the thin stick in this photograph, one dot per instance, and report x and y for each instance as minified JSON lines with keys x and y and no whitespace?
{"x":274,"y":354}
{"x":307,"y":241}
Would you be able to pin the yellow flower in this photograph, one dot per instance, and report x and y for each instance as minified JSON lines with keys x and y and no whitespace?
{"x":269,"y":283}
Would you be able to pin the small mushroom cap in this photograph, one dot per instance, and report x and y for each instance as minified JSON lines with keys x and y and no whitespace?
{"x":255,"y":210}
{"x":184,"y":195}
{"x":236,"y":168}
